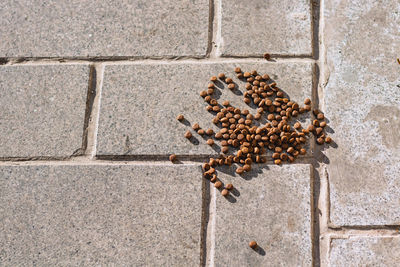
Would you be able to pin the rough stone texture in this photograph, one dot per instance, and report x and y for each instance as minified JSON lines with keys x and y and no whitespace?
{"x":365,"y":251}
{"x":362,"y":102}
{"x":109,"y":215}
{"x":104,"y":28}
{"x":257,"y":26}
{"x":271,"y":205}
{"x":140,"y":103}
{"x":42,"y":109}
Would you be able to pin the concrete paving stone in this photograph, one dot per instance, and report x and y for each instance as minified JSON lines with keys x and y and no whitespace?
{"x":362,"y":102}
{"x":365,"y":251}
{"x":271,"y":205}
{"x":42,"y":109}
{"x":140,"y":103}
{"x":108,"y":215}
{"x":256,"y":27}
{"x":104,"y":28}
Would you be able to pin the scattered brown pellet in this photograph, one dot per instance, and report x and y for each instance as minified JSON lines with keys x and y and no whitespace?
{"x":221,"y":76}
{"x":201,"y":132}
{"x":277,"y":161}
{"x":320,"y":141}
{"x":218,"y":184}
{"x":213,"y":178}
{"x":213,"y":78}
{"x":231,"y":86}
{"x":253,"y":244}
{"x":180,"y":117}
{"x":172,"y":157}
{"x":228,"y":80}
{"x":229,"y":186}
{"x":267,"y":56}
{"x":238,"y":70}
{"x":196,"y":126}
{"x":210,"y":142}
{"x":328,"y":139}
{"x":224,"y":192}
{"x":188,"y":134}
{"x":297,"y":125}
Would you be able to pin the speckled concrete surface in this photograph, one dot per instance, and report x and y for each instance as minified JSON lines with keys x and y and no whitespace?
{"x":42,"y":110}
{"x":100,"y":215}
{"x":270,"y":204}
{"x":101,"y":28}
{"x":362,"y":102}
{"x":255,"y":27}
{"x":89,"y":94}
{"x":365,"y":251}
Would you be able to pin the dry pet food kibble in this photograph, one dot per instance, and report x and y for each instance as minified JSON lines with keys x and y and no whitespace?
{"x":245,"y":138}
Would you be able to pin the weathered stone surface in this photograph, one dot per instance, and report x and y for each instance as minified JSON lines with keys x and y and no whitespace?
{"x":42,"y":109}
{"x":362,"y":102}
{"x":365,"y":251}
{"x":140,"y":103}
{"x":103,"y":28}
{"x":256,"y":27}
{"x":100,"y":215}
{"x":270,"y":205}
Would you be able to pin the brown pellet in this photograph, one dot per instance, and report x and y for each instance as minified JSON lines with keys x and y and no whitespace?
{"x":229,"y":186}
{"x":172,"y":157}
{"x":218,"y":184}
{"x":224,"y":192}
{"x":201,"y":132}
{"x":228,"y":80}
{"x":203,"y":93}
{"x":196,"y":126}
{"x":307,"y":101}
{"x":231,"y":86}
{"x":297,"y":125}
{"x":253,"y":244}
{"x":246,"y":167}
{"x":328,"y":140}
{"x":277,"y":161}
{"x":238,"y":70}
{"x":180,"y":117}
{"x":320,"y":116}
{"x":188,"y":134}
{"x":210,"y":142}
{"x":213,"y":78}
{"x":209,"y":131}
{"x":320,"y":141}
{"x":221,"y":76}
{"x":213,"y":178}
{"x":267,"y":56}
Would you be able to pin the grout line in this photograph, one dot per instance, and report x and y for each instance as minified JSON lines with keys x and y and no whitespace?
{"x":218,"y":33}
{"x":214,"y":58}
{"x":95,"y":112}
{"x":205,"y":218}
{"x":85,"y":160}
{"x":211,"y":19}
{"x":212,"y":227}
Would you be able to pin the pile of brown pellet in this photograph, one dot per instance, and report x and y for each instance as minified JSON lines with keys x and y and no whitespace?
{"x":250,"y":142}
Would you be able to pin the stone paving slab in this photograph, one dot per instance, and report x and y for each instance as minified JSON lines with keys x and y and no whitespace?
{"x":362,"y":102}
{"x":42,"y":109}
{"x":102,"y":28}
{"x":271,"y":205}
{"x":140,"y":103}
{"x":255,"y":27}
{"x":137,"y":215}
{"x":365,"y":251}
